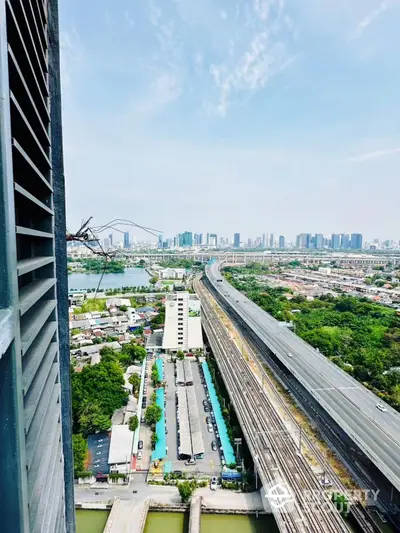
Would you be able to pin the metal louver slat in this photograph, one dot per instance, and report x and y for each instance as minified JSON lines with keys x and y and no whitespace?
{"x":31,"y":293}
{"x":33,"y":263}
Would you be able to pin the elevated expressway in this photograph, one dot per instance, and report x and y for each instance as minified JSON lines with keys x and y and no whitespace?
{"x":350,"y":405}
{"x":299,"y":504}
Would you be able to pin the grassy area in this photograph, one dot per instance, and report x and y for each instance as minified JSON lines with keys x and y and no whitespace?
{"x":89,"y":306}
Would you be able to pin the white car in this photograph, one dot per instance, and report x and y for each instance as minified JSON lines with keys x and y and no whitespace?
{"x":213,"y":483}
{"x":289,"y":354}
{"x":381,"y":407}
{"x":210,"y":429}
{"x":191,"y":461}
{"x":139,"y":455}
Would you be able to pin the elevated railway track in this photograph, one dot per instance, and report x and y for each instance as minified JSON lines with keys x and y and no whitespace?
{"x":275,"y":452}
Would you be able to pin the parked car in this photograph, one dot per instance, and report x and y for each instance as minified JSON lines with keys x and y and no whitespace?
{"x":214,"y":446}
{"x":208,"y":420}
{"x":191,"y":461}
{"x":205,"y":402}
{"x":213,"y":483}
{"x":142,"y":419}
{"x":210,"y":428}
{"x":139,"y":455}
{"x":206,"y":409}
{"x":140,"y":445}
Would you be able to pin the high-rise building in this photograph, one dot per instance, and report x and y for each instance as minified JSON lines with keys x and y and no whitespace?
{"x":160,"y":242}
{"x":182,"y":330}
{"x":126,"y":239}
{"x":236,"y":240}
{"x":110,"y":238}
{"x":212,"y":239}
{"x":303,"y":240}
{"x":356,"y":241}
{"x":281,"y":241}
{"x":186,"y":239}
{"x":335,"y":241}
{"x":345,"y":241}
{"x":264,"y":240}
{"x":271,"y":240}
{"x":319,"y":240}
{"x":200,"y":238}
{"x":36,"y":471}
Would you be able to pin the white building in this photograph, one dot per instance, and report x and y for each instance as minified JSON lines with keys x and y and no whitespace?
{"x":172,"y":273}
{"x":182,"y":330}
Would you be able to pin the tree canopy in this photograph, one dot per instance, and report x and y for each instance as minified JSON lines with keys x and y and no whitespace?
{"x":97,"y":391}
{"x":153,"y":414}
{"x":79,"y":446}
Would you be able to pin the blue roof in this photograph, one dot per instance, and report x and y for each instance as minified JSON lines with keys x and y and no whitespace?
{"x":146,"y":309}
{"x":227,"y":448}
{"x":161,"y":446}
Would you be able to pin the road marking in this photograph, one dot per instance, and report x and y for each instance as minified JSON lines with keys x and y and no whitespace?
{"x":326,"y":388}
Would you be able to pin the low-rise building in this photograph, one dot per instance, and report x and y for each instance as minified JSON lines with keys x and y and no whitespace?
{"x":120,"y":453}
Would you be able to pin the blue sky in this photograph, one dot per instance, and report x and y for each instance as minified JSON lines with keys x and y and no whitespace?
{"x":221,"y":115}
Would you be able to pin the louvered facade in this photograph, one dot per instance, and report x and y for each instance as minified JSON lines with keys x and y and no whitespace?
{"x":35,"y":467}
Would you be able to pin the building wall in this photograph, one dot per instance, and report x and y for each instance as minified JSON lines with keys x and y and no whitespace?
{"x":176,"y":322}
{"x":36,"y":491}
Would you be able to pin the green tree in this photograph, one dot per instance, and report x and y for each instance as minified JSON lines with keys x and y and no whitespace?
{"x":186,"y":489}
{"x":123,"y":308}
{"x":134,"y":380}
{"x":153,"y":280}
{"x":79,"y":446}
{"x":133,"y":423}
{"x":97,"y":390}
{"x":180,"y":355}
{"x":154,"y":439}
{"x":153,"y":414}
{"x":91,"y":419}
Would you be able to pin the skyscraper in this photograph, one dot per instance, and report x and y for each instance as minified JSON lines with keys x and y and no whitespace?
{"x":335,"y":241}
{"x":36,"y":487}
{"x":186,"y":239}
{"x":281,"y":241}
{"x":356,"y":241}
{"x":126,"y":239}
{"x":303,"y":240}
{"x":110,"y":238}
{"x":236,"y":240}
{"x":345,"y":241}
{"x":160,"y":241}
{"x":271,"y":240}
{"x":213,"y":240}
{"x":319,"y":240}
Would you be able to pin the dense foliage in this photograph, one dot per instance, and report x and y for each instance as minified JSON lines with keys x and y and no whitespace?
{"x":186,"y":489}
{"x":96,"y":393}
{"x":358,"y":335}
{"x":79,"y":446}
{"x":99,"y":265}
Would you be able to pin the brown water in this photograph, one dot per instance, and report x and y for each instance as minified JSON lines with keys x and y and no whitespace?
{"x":88,"y":521}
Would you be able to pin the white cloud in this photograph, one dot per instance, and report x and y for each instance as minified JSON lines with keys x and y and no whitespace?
{"x":129,"y":19}
{"x":263,"y":60}
{"x":369,"y":19}
{"x":223,"y":14}
{"x":155,"y":13}
{"x":375,"y":155}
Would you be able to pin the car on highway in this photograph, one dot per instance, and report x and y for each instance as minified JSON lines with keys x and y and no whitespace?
{"x":214,"y":445}
{"x":213,"y":483}
{"x":140,"y":445}
{"x":289,"y":354}
{"x":381,"y":407}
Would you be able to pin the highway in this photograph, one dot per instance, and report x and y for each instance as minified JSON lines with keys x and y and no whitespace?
{"x":352,"y":406}
{"x":274,"y":451}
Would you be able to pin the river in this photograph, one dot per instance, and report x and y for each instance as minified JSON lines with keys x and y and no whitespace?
{"x":132,"y":277}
